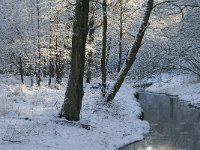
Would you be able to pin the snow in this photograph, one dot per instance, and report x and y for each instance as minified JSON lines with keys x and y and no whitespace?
{"x":185,"y":86}
{"x":28,"y":118}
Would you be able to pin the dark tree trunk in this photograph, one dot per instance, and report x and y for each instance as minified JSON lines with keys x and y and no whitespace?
{"x":132,"y":53}
{"x":31,"y":70}
{"x":50,"y":46}
{"x":59,"y":69}
{"x":74,"y":94}
{"x":58,"y":61}
{"x":104,"y":44}
{"x":50,"y":69}
{"x":21,"y":69}
{"x":38,"y":74}
{"x":120,"y":38}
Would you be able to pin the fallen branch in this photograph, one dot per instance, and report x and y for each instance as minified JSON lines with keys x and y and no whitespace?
{"x":9,"y":140}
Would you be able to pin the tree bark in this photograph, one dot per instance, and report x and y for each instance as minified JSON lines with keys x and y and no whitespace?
{"x":58,"y":61}
{"x":120,"y":38}
{"x":104,"y":44}
{"x":74,"y":94}
{"x":89,"y":67}
{"x":90,"y":41}
{"x":31,"y":73}
{"x":38,"y":46}
{"x":21,"y":69}
{"x":50,"y":45}
{"x":50,"y":69}
{"x":132,"y":53}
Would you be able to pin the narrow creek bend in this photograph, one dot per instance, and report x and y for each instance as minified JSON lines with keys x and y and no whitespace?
{"x":174,"y":125}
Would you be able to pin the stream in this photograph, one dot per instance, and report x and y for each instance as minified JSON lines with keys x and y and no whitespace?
{"x":174,"y":125}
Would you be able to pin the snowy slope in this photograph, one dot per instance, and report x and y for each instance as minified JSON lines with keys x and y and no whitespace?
{"x":28,"y":119}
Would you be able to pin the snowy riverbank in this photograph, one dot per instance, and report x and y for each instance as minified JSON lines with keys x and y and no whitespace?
{"x":28,"y":119}
{"x":186,"y":87}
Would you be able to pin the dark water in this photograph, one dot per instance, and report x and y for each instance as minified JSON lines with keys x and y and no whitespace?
{"x":174,"y":125}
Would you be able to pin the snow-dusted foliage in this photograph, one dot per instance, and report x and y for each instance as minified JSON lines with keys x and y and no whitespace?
{"x":171,"y":42}
{"x":37,"y":35}
{"x":31,"y":27}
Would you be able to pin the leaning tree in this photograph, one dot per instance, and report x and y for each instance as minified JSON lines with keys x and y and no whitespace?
{"x":132,"y":53}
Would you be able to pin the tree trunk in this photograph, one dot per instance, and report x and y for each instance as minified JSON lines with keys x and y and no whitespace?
{"x":104,"y":44}
{"x":58,"y":54}
{"x":120,"y":38}
{"x":90,"y":41}
{"x":59,"y":69}
{"x":38,"y":46}
{"x":50,"y":45}
{"x":31,"y":73}
{"x":74,"y":94}
{"x":50,"y":69}
{"x":132,"y":53}
{"x":108,"y":50}
{"x":21,"y":69}
{"x":89,"y":67}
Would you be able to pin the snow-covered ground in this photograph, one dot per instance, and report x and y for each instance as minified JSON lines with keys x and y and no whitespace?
{"x":28,"y":119}
{"x":186,"y":87}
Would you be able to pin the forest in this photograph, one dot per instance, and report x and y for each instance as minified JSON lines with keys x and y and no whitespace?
{"x":73,"y":72}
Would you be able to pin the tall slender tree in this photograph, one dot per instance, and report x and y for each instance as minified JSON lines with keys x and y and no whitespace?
{"x":74,"y":94}
{"x":21,"y":68}
{"x":38,"y":72}
{"x":104,"y":45}
{"x":132,"y":53}
{"x":90,"y":42}
{"x":50,"y":45}
{"x":120,"y":36}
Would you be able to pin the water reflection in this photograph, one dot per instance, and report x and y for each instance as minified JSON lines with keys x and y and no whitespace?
{"x":174,"y":126}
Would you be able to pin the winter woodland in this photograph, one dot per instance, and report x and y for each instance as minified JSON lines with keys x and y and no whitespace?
{"x":69,"y":68}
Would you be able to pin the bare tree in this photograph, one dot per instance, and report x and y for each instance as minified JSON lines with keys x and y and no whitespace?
{"x":132,"y":53}
{"x":50,"y":45}
{"x":38,"y":72}
{"x":90,"y":42}
{"x":104,"y":45}
{"x":74,"y":94}
{"x":120,"y":36}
